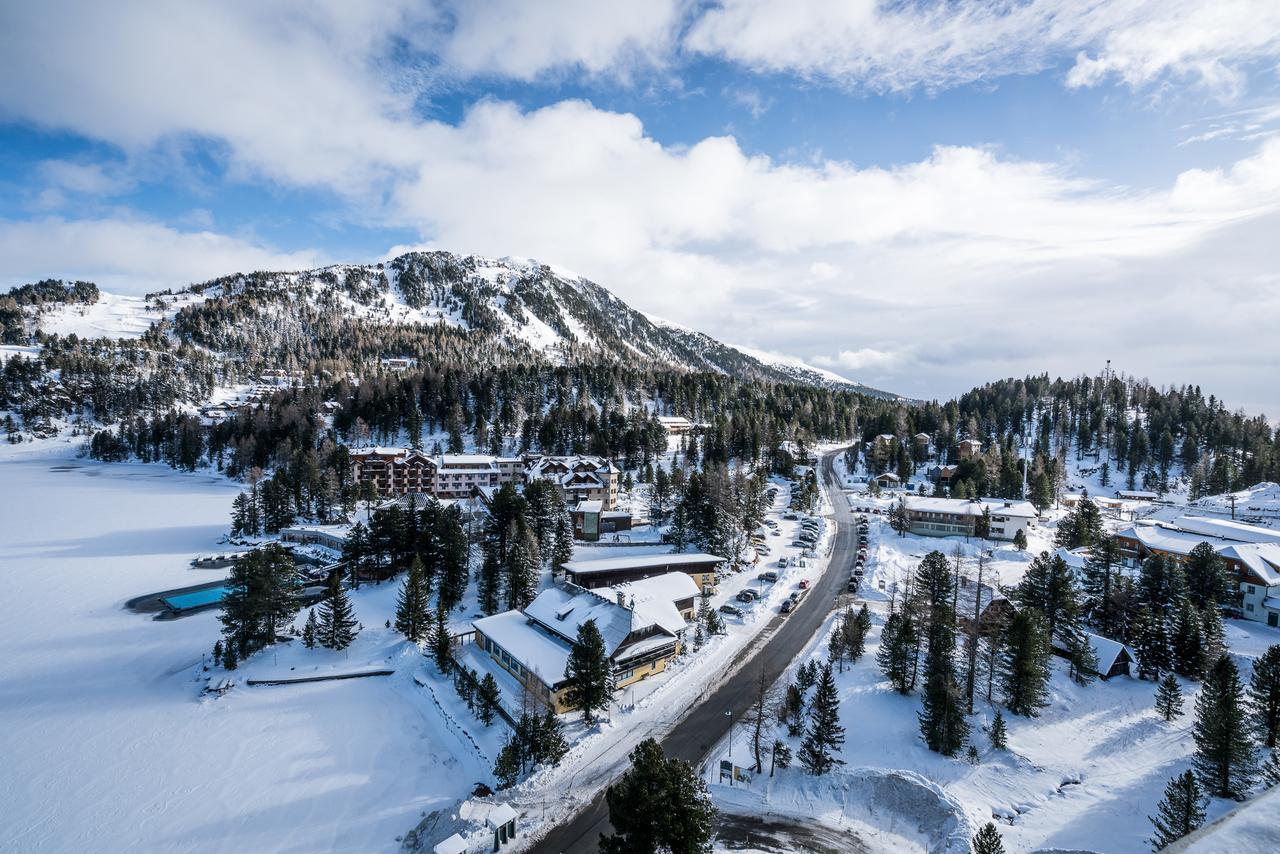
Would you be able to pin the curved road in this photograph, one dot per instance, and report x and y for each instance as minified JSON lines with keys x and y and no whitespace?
{"x":705,"y":724}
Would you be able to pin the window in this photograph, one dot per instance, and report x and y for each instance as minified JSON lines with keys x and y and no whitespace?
{"x":1252,"y":590}
{"x":1249,"y":607}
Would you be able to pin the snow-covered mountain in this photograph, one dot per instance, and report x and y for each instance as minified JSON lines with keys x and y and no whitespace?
{"x":527,"y":306}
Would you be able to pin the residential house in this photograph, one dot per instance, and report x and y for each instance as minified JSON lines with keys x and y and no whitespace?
{"x":675,"y":425}
{"x":642,"y":624}
{"x":969,"y":448}
{"x":578,"y":478}
{"x":1113,"y":658}
{"x":947,"y":517}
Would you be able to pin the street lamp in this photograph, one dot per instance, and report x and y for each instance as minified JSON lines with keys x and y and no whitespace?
{"x":728,"y":713}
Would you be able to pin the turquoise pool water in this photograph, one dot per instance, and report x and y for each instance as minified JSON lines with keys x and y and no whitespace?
{"x":196,"y":599}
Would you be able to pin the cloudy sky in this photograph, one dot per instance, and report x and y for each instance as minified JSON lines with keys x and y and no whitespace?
{"x":920,"y":194}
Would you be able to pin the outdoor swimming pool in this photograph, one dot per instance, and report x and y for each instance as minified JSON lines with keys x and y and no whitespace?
{"x":196,"y":599}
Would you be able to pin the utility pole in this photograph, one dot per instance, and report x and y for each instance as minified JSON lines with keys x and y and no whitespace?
{"x":1232,"y":500}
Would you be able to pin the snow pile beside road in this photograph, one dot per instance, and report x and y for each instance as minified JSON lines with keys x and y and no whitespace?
{"x":890,"y":810}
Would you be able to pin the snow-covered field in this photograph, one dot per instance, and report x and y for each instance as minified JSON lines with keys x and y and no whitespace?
{"x":106,"y":743}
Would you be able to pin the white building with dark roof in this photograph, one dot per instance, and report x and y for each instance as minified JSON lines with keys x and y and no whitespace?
{"x":642,"y":624}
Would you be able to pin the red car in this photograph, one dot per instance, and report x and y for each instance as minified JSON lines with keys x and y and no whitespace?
{"x":804,"y":585}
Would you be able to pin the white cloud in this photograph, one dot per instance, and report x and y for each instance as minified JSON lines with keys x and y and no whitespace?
{"x":862,"y":361}
{"x":965,"y":264}
{"x":935,"y":44}
{"x":131,"y":255}
{"x":522,"y":40}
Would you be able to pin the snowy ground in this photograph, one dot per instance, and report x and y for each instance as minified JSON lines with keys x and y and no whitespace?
{"x":1083,"y":775}
{"x":107,"y":744}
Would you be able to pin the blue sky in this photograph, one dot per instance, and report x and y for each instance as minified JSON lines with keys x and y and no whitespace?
{"x":920,"y":195}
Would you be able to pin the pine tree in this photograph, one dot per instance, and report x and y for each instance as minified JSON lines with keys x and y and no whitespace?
{"x":1083,"y":661}
{"x":589,"y":673}
{"x":310,"y":630}
{"x":1169,"y":698}
{"x":523,"y":562}
{"x":1049,"y":585}
{"x":441,"y":642}
{"x":1270,"y":770}
{"x":1224,"y":752}
{"x":1024,"y":670}
{"x":1180,"y":812}
{"x":1020,"y":540}
{"x":490,"y":582}
{"x":562,"y":540}
{"x":507,"y":767}
{"x":337,"y":619}
{"x":1151,"y":645}
{"x":1264,"y":696}
{"x":836,"y":648}
{"x":999,"y":737}
{"x":824,"y":734}
{"x":1213,"y":637}
{"x":987,"y":840}
{"x":855,"y":631}
{"x":261,"y":597}
{"x":551,"y":741}
{"x":488,"y":699}
{"x":659,"y":804}
{"x":1186,"y":643}
{"x":1206,"y":575}
{"x":779,"y":756}
{"x":413,"y":606}
{"x":896,"y":653}
{"x":942,"y":723}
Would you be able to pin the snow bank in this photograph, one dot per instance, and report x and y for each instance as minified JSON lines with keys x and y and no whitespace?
{"x":890,"y":810}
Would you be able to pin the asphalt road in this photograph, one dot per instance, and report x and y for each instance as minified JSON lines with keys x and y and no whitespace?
{"x":706,"y":723}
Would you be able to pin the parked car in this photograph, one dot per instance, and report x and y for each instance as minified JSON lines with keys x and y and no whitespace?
{"x":782,"y":562}
{"x":804,"y":584}
{"x":769,"y":576}
{"x":852,"y":586}
{"x":775,"y":533}
{"x":732,"y":610}
{"x":748,"y":595}
{"x":787,"y":605}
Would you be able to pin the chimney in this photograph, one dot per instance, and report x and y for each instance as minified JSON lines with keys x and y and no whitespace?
{"x":622,"y":599}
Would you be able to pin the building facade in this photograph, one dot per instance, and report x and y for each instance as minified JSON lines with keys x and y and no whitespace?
{"x":958,"y":517}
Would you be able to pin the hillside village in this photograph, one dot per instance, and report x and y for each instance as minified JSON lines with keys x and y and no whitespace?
{"x":534,"y":567}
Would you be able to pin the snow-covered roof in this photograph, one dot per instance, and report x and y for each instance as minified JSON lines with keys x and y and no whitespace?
{"x":614,"y":564}
{"x":500,"y":815}
{"x":965,"y":507}
{"x":479,"y":461}
{"x":1074,"y":558}
{"x":453,"y":845}
{"x":376,"y":451}
{"x":1261,"y":559}
{"x":539,"y":651}
{"x":653,"y":599}
{"x":1143,"y":494}
{"x":588,"y":506}
{"x":1105,"y":650}
{"x":563,"y":610}
{"x":1227,"y":529}
{"x":1160,"y":537}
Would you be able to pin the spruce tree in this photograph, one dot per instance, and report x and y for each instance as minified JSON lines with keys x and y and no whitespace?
{"x":1024,"y":667}
{"x":998,"y":735}
{"x":1224,"y":751}
{"x":942,"y":722}
{"x":552,"y":745}
{"x":310,"y":630}
{"x":658,"y":804}
{"x":413,"y":606}
{"x":337,"y":627}
{"x":1180,"y":812}
{"x":825,"y":734}
{"x":589,"y":673}
{"x":1206,"y":575}
{"x":507,"y":767}
{"x":488,"y":699}
{"x":1169,"y":698}
{"x":261,"y":597}
{"x":1264,"y":696}
{"x":523,"y":562}
{"x":490,"y":582}
{"x":1186,"y":643}
{"x":779,"y":756}
{"x":987,"y":840}
{"x":855,"y":631}
{"x":1213,"y":637}
{"x":441,"y":642}
{"x":1151,"y":645}
{"x":896,"y":653}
